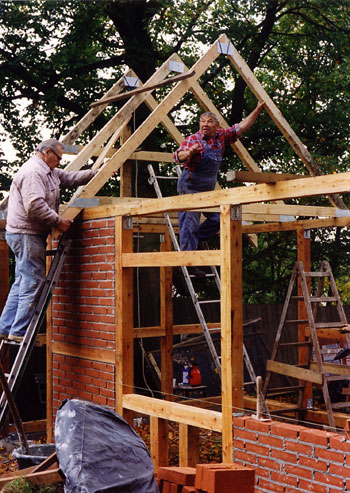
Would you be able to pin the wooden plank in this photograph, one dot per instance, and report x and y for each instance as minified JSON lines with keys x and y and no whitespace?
{"x":92,"y":114}
{"x":125,"y":170}
{"x":295,"y":372}
{"x":276,"y":115}
{"x":330,"y":222}
{"x":124,"y":353}
{"x":144,"y":88}
{"x":333,"y":368}
{"x":161,"y":259}
{"x":113,"y":124}
{"x":141,"y":133}
{"x":159,"y":438}
{"x":174,"y":411}
{"x":260,"y":176}
{"x":331,"y":334}
{"x":319,"y":185}
{"x":84,"y":352}
{"x":188,"y":445}
{"x":158,"y":331}
{"x":37,"y":478}
{"x":31,"y":426}
{"x":166,"y":321}
{"x":290,"y":210}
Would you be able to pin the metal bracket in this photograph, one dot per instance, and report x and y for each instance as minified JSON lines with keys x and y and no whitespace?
{"x":286,"y":219}
{"x":176,"y":66}
{"x":342,"y":212}
{"x":225,"y":48}
{"x":127,"y":222}
{"x":84,"y":203}
{"x":162,"y":238}
{"x":70,"y":149}
{"x":236,"y":213}
{"x":307,"y":234}
{"x":131,"y":82}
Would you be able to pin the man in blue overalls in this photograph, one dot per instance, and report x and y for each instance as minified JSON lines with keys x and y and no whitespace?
{"x":201,"y":155}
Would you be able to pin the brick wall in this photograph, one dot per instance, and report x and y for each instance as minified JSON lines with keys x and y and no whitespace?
{"x":290,"y":458}
{"x":83,"y":315}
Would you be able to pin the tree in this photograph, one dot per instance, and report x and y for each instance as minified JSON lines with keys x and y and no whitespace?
{"x":56,"y":57}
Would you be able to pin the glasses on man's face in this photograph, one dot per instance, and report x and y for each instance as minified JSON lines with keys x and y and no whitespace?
{"x":55,"y":153}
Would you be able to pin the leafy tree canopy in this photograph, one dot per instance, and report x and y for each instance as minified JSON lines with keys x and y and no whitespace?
{"x":56,"y":57}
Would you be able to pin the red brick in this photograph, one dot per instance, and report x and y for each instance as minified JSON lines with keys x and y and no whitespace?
{"x":257,"y":449}
{"x":339,"y":470}
{"x":175,"y":488}
{"x":319,"y":465}
{"x":317,"y":437}
{"x":272,"y":441}
{"x":240,"y":422}
{"x":284,"y":478}
{"x":285,"y":430}
{"x":298,"y":471}
{"x":215,"y":478}
{"x":253,"y":424}
{"x":239,"y":444}
{"x":284,"y":456}
{"x":298,"y":447}
{"x":329,"y":455}
{"x":269,"y":486}
{"x":339,"y":443}
{"x":328,"y":479}
{"x":269,"y":463}
{"x":247,"y":435}
{"x":188,"y":489}
{"x":179,"y":475}
{"x":244,"y":457}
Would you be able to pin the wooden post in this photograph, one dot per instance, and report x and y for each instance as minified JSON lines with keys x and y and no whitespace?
{"x":166,"y":321}
{"x":304,"y":255}
{"x":124,"y":351}
{"x":125,"y":170}
{"x":188,"y":445}
{"x":231,"y":321}
{"x":159,"y":442}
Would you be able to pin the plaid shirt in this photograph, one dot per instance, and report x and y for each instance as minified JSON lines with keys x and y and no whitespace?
{"x":220,"y":140}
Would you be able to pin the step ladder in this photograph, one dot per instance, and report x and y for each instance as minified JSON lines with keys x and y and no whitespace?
{"x":316,"y":288}
{"x":24,"y":349}
{"x":153,"y":180}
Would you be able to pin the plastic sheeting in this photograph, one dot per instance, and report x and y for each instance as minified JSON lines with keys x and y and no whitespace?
{"x":98,"y":451}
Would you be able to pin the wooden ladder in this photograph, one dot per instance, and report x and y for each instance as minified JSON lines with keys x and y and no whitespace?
{"x":313,"y":368}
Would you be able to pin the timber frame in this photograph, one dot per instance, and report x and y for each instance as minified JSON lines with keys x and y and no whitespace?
{"x":259,"y":204}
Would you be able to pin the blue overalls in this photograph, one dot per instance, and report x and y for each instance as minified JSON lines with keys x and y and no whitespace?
{"x":202,"y":179}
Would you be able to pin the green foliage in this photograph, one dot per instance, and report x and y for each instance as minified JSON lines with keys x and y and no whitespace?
{"x":56,"y":57}
{"x":22,"y":485}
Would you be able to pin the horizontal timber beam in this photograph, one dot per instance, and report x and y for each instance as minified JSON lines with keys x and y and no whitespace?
{"x":158,"y":331}
{"x":162,"y":259}
{"x":84,"y":352}
{"x":330,"y":222}
{"x":261,"y":176}
{"x":308,"y":187}
{"x":173,"y":411}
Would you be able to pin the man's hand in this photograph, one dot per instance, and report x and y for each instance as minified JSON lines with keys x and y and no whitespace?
{"x":184,"y":155}
{"x":64,"y":225}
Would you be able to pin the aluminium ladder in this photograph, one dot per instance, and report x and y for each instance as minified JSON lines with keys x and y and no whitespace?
{"x":313,"y":368}
{"x":153,"y":180}
{"x":25,"y":348}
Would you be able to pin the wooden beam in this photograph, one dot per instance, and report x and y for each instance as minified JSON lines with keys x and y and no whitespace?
{"x":84,"y":352}
{"x":166,"y":321}
{"x":141,"y":133}
{"x":188,"y":445}
{"x":174,"y":411}
{"x":125,"y":170}
{"x":158,"y":331}
{"x":331,"y":222}
{"x":319,"y":185}
{"x":254,"y":85}
{"x":295,"y":372}
{"x":124,"y":352}
{"x":260,"y":177}
{"x":161,"y":259}
{"x":159,"y":438}
{"x":144,"y":88}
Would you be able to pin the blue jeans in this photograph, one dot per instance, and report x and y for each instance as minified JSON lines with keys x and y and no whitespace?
{"x":29,"y":251}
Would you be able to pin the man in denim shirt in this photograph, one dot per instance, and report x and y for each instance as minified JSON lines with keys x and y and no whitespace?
{"x":32,"y":212}
{"x":201,"y":155}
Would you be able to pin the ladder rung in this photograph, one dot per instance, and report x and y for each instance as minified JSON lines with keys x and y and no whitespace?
{"x":295,"y":344}
{"x":340,"y":405}
{"x":316,"y":274}
{"x":297,"y":297}
{"x":336,"y":378}
{"x":301,"y":321}
{"x":325,"y":299}
{"x":208,"y":301}
{"x":325,"y":325}
{"x":249,"y":383}
{"x":167,"y":177}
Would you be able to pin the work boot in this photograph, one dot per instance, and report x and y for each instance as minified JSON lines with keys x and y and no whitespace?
{"x":196,"y":271}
